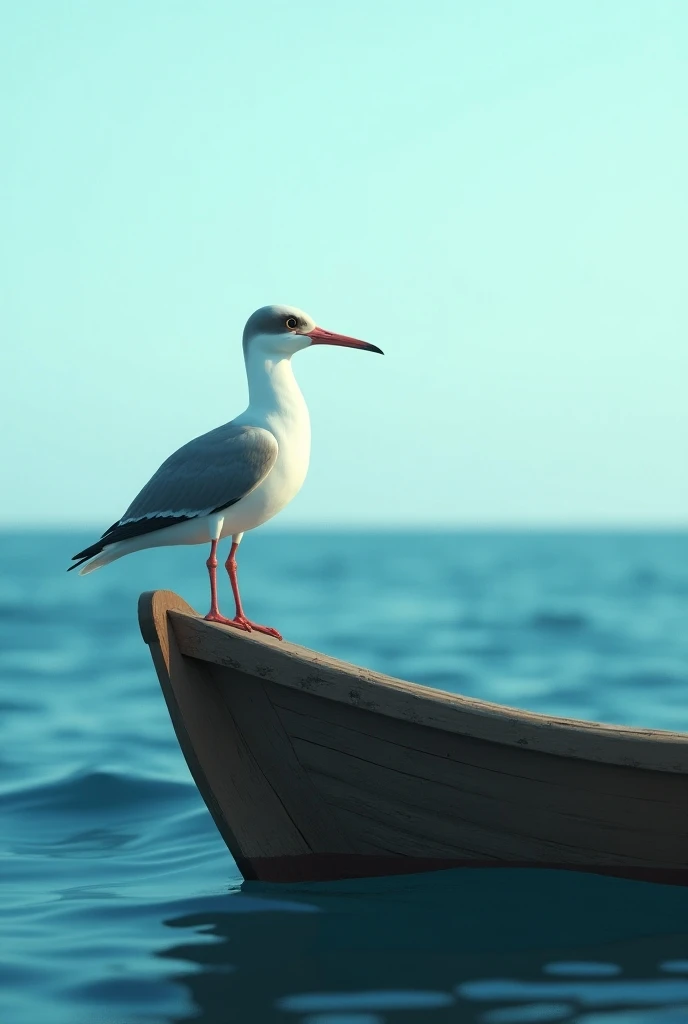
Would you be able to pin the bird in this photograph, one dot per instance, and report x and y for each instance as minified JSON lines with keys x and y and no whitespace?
{"x":239,"y":475}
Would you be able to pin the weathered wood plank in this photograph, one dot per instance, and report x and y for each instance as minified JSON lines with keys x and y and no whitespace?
{"x":379,"y":743}
{"x":401,"y":838}
{"x":451,"y":837}
{"x":264,"y":735}
{"x":634,"y":786}
{"x":463,"y":819}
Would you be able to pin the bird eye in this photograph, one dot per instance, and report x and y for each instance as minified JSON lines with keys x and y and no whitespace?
{"x":291,"y":323}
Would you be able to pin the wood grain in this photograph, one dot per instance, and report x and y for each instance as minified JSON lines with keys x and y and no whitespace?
{"x":497,"y":825}
{"x":565,"y":785}
{"x":263,"y":733}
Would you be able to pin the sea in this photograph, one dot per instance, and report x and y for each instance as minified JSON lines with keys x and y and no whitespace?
{"x":120,"y":904}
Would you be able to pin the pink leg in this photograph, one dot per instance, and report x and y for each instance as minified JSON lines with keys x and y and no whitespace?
{"x":214,"y":613}
{"x":240,"y":620}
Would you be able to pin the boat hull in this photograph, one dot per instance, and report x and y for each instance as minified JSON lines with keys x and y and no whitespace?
{"x":314,"y":769}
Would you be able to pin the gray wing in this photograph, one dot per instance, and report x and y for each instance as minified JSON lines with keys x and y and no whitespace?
{"x":207,"y":474}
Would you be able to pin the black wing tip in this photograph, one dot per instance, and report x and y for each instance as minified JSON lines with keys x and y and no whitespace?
{"x":77,"y":564}
{"x":94,"y":549}
{"x":83,"y":556}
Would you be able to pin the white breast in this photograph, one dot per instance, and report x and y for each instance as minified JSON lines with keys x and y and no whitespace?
{"x":277,"y":405}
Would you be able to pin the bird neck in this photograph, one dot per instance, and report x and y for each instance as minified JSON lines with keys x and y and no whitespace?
{"x":272,"y":385}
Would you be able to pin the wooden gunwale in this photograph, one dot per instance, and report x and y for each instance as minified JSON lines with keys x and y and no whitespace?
{"x":301,"y":669}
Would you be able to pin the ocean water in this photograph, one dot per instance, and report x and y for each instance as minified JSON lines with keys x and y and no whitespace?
{"x":120,"y":904}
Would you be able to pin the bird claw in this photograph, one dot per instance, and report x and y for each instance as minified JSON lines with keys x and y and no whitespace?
{"x":268,"y":630}
{"x":216,"y":617}
{"x":246,"y":624}
{"x":241,"y":622}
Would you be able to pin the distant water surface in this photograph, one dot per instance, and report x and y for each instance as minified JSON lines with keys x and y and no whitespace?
{"x":119,"y":902}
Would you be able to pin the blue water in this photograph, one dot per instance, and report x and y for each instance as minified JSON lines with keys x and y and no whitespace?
{"x":119,"y":902}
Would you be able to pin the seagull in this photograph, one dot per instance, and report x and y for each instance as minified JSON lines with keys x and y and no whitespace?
{"x":237,"y":476}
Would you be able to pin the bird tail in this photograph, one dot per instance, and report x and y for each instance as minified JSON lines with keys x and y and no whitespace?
{"x":90,"y":565}
{"x":96,"y":556}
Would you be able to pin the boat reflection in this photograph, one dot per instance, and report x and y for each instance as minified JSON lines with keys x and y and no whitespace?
{"x":488,"y":946}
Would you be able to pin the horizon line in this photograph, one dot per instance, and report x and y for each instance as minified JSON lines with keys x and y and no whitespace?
{"x":437,"y":526}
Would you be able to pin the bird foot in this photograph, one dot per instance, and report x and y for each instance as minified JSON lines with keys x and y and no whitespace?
{"x":241,"y":622}
{"x":216,"y":617}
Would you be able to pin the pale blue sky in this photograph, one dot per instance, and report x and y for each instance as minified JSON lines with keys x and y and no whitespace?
{"x":494,"y":192}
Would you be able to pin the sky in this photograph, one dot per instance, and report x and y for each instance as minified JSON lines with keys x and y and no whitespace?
{"x":494,"y":193}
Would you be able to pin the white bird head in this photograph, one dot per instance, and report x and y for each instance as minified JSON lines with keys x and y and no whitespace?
{"x":284,"y":330}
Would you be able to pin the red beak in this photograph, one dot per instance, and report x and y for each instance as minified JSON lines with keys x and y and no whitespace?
{"x":319,"y":336}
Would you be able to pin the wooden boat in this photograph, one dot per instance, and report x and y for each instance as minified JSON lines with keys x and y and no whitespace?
{"x":313,"y":768}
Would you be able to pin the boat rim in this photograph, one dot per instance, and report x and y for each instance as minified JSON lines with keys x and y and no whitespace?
{"x":283,"y":663}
